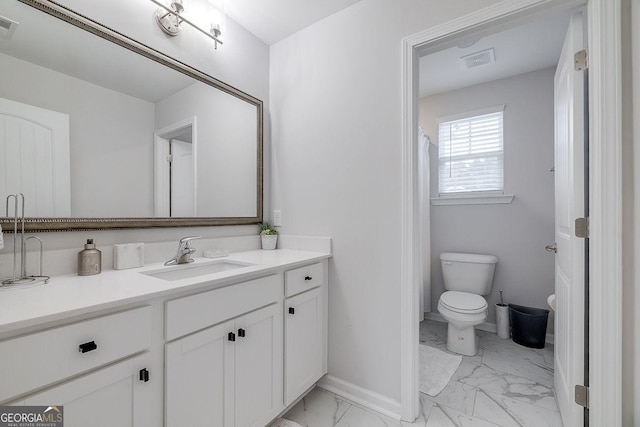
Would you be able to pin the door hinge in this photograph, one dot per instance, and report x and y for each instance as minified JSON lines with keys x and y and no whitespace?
{"x":582,"y":228}
{"x":170,"y":158}
{"x":582,"y":396}
{"x":581,"y":60}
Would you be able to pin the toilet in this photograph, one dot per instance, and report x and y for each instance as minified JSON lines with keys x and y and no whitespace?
{"x":466,"y":278}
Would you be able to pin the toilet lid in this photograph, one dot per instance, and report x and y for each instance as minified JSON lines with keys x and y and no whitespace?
{"x":463,"y":302}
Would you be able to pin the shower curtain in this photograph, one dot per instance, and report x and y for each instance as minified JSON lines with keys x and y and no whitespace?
{"x":425,"y":222}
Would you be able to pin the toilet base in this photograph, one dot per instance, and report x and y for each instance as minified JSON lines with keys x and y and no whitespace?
{"x":462,"y":340}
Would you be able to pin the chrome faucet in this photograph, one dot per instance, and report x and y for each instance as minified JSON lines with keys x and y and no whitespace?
{"x":183,"y":256}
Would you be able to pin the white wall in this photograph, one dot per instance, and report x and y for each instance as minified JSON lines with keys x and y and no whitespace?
{"x":106,"y":128}
{"x":631,"y":212}
{"x":226,"y":152}
{"x":243,"y":62}
{"x":517,"y":232}
{"x":335,"y":102}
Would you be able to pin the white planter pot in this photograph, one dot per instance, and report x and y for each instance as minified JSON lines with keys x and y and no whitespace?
{"x":269,"y":241}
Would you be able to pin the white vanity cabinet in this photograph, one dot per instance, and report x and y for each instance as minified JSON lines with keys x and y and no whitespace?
{"x":96,"y":368}
{"x":230,"y":351}
{"x":305,"y":329}
{"x":118,"y":395}
{"x":229,"y":374}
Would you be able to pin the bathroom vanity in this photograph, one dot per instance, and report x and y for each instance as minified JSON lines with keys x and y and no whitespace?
{"x":124,"y":348}
{"x":231,"y":342}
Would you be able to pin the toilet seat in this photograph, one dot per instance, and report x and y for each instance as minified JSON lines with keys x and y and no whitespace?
{"x":463,"y":302}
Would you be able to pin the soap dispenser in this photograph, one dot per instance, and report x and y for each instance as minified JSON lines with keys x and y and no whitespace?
{"x":89,"y":260}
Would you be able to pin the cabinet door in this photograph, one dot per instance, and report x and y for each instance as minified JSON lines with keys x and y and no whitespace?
{"x":258,"y":367}
{"x":198,"y":380}
{"x":304,"y":342}
{"x":113,"y":396}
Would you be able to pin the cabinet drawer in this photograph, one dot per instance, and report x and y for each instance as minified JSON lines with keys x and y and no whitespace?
{"x":303,"y":278}
{"x":39,"y":359}
{"x":195,"y":312}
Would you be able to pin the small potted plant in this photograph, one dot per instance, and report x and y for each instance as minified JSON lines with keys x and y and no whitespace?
{"x":269,"y":235}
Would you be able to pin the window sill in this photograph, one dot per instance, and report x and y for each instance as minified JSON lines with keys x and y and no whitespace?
{"x":472,"y":200}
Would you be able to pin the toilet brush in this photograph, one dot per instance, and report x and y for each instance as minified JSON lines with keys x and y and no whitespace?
{"x":502,"y":318}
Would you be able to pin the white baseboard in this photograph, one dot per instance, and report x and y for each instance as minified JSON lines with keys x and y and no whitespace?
{"x":361,"y":396}
{"x":487,"y":327}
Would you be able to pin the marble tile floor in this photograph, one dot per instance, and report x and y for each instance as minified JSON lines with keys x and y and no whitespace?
{"x":504,"y":385}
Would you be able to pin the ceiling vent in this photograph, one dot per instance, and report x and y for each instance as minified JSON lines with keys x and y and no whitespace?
{"x":7,"y":27}
{"x":479,"y":58}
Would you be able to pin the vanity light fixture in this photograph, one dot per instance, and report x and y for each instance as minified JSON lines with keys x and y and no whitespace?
{"x":170,"y":17}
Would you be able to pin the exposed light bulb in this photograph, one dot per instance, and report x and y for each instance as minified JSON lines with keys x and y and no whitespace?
{"x":215,"y":29}
{"x":177,"y":6}
{"x":217,"y":17}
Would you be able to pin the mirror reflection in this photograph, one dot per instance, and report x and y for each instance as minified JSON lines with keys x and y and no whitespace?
{"x":89,"y":129}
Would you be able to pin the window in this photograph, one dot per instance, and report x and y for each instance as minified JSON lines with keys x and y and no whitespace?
{"x":471,"y":154}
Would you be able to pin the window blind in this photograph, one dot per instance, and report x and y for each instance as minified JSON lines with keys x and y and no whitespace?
{"x":471,"y":154}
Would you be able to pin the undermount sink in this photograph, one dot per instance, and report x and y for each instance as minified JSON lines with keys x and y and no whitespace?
{"x":187,"y":271}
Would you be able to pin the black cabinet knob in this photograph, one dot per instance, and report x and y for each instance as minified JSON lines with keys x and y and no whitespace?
{"x":241,"y":332}
{"x":88,"y":346}
{"x":232,"y":336}
{"x":144,"y":375}
{"x":308,"y":278}
{"x":292,"y":310}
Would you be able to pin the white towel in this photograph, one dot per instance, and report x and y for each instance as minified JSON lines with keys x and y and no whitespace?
{"x":436,"y":369}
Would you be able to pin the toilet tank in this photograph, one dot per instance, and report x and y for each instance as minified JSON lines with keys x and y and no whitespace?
{"x":471,"y":273}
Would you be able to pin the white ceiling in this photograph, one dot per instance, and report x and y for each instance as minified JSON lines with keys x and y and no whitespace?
{"x":273,"y":20}
{"x":518,"y":50}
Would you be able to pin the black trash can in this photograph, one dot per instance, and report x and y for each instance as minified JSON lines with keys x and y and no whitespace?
{"x":528,"y":325}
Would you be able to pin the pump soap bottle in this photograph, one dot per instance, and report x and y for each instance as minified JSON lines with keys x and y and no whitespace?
{"x":89,"y":260}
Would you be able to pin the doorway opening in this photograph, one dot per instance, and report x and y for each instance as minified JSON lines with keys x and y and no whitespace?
{"x":605,"y":111}
{"x":175,"y":183}
{"x":487,"y":104}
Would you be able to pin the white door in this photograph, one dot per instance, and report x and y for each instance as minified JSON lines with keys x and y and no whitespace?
{"x":258,"y":367}
{"x":34,"y":158}
{"x":197,"y":378}
{"x":303,"y":335}
{"x":162,"y":177}
{"x":570,"y":204}
{"x":175,"y":185}
{"x":182,"y":179}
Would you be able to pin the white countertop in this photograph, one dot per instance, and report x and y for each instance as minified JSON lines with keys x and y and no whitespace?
{"x":72,"y":295}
